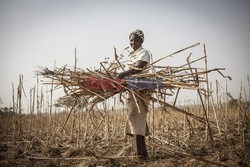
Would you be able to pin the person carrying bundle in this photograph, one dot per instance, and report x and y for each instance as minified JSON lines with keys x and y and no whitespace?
{"x":136,"y":124}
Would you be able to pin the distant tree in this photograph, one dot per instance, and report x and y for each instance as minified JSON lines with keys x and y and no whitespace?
{"x":234,"y":103}
{"x":1,"y":101}
{"x":6,"y":111}
{"x":69,"y":102}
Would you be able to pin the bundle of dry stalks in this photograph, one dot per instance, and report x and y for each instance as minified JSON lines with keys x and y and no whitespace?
{"x":75,"y":81}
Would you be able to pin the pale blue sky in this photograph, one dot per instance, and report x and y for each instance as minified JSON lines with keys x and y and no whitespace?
{"x":37,"y":33}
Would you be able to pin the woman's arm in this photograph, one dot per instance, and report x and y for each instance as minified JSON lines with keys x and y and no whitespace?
{"x":138,"y":64}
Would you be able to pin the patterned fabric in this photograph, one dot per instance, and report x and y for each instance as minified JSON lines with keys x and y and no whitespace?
{"x":137,"y":120}
{"x":139,"y":33}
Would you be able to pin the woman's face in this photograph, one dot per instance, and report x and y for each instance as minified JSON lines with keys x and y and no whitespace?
{"x":135,"y":42}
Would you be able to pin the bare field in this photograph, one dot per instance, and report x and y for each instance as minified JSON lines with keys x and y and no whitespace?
{"x":97,"y":139}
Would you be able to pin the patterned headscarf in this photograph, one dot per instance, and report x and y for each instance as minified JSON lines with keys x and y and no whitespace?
{"x":139,"y":33}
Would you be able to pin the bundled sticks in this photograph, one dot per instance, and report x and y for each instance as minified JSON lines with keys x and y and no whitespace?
{"x":98,"y":85}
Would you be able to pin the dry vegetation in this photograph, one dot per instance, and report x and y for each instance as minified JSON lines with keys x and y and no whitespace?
{"x":95,"y":140}
{"x":214,"y":131}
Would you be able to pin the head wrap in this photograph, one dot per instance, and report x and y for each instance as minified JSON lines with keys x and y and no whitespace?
{"x":139,"y":33}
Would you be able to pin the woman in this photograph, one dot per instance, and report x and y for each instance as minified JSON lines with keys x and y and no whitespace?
{"x":136,"y":124}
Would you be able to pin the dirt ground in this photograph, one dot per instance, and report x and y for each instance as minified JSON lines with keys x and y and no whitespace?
{"x":228,"y":151}
{"x":230,"y":148}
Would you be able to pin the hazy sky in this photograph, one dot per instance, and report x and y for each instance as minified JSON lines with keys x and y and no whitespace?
{"x":38,"y":32}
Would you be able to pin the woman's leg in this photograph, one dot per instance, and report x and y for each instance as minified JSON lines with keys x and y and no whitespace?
{"x":141,"y":147}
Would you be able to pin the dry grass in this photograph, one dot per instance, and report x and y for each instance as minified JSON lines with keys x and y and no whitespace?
{"x":177,"y":140}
